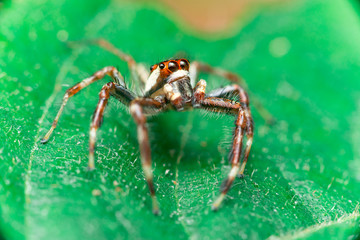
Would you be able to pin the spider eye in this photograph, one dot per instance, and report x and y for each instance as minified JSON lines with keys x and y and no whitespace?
{"x":152,"y":68}
{"x":161,"y":66}
{"x":173,"y":66}
{"x":184,"y":64}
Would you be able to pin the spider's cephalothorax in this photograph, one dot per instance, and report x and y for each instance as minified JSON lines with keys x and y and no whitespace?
{"x":171,"y":79}
{"x":170,"y":85}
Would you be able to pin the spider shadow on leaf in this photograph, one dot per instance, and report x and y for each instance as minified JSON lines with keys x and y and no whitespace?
{"x":191,"y":139}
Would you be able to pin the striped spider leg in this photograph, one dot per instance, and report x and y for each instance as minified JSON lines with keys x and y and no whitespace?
{"x":223,"y":105}
{"x":216,"y":101}
{"x":227,"y":91}
{"x":139,"y":108}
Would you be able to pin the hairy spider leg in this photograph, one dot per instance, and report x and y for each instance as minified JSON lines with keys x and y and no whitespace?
{"x":138,"y":111}
{"x":244,"y":100}
{"x":228,"y":106}
{"x":109,"y":89}
{"x":111,"y":71}
{"x":197,"y":67}
{"x":244,"y":121}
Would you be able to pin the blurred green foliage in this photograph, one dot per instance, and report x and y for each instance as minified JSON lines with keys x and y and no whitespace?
{"x":300,"y":59}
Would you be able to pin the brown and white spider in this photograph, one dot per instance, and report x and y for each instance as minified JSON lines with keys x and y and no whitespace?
{"x":171,"y":85}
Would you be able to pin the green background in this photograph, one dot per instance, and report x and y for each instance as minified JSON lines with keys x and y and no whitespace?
{"x":300,"y":59}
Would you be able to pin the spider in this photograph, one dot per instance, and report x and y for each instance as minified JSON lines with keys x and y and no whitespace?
{"x":170,"y":85}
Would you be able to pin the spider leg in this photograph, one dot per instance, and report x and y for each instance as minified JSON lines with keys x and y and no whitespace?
{"x":244,"y":100}
{"x":138,"y":69}
{"x":227,"y":106}
{"x":111,"y":71}
{"x":109,"y":89}
{"x":197,"y":67}
{"x":138,"y":109}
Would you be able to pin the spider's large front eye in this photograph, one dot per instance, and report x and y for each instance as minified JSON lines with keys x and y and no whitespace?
{"x":172,"y":66}
{"x":184,"y":64}
{"x":152,"y":68}
{"x":161,"y":66}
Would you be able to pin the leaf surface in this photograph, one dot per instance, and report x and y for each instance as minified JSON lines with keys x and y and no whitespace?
{"x":300,"y":59}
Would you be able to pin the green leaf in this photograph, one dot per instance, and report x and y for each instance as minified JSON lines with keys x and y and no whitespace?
{"x":300,"y":59}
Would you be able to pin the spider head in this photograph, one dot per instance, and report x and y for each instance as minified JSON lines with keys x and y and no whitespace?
{"x":167,"y":72}
{"x":166,"y":68}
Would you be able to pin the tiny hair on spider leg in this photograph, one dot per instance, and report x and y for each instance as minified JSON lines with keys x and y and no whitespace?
{"x":171,"y":85}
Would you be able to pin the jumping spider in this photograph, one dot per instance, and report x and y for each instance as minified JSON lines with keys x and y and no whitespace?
{"x":171,"y":85}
